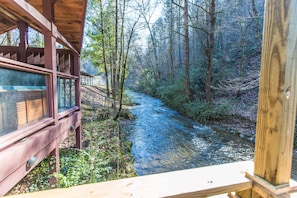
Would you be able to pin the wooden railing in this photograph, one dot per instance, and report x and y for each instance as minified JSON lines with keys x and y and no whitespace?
{"x":198,"y":182}
{"x":231,"y":180}
{"x":9,"y":52}
{"x":35,"y":56}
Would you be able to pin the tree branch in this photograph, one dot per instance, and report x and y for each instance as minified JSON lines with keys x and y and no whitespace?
{"x":199,"y":28}
{"x":199,"y":6}
{"x":181,"y":7}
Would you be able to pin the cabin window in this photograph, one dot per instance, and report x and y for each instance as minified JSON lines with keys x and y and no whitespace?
{"x":22,"y":99}
{"x":66,"y":94}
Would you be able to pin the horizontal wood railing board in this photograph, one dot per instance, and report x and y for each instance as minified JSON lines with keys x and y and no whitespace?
{"x":12,"y":64}
{"x":199,"y":182}
{"x":24,"y":131}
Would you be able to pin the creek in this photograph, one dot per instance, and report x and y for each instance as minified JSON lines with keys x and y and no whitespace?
{"x":163,"y":140}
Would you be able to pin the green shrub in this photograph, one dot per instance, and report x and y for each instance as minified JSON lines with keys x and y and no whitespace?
{"x":81,"y":167}
{"x":173,"y":95}
{"x":203,"y":111}
{"x":106,"y":157}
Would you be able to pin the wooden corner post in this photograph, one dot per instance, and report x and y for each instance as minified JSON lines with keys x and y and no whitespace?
{"x":76,"y":65}
{"x":277,"y":98}
{"x":50,"y":52}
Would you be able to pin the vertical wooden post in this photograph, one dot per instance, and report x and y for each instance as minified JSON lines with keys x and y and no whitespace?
{"x":50,"y":61}
{"x":48,"y":9}
{"x":50,"y":57}
{"x":23,"y":45}
{"x":54,"y":165}
{"x":76,"y":71}
{"x":277,"y":93}
{"x":78,"y":137}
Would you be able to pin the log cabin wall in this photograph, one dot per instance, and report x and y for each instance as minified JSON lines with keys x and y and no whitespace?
{"x":37,"y":115}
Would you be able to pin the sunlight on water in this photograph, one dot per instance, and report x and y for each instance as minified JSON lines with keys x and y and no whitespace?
{"x":163,"y":140}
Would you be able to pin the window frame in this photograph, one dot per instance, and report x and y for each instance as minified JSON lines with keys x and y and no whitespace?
{"x":31,"y":128}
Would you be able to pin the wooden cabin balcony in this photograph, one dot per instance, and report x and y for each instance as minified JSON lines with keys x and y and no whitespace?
{"x":39,"y":87}
{"x":43,"y":118}
{"x":32,"y":124}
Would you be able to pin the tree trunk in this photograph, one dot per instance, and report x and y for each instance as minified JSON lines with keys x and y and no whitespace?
{"x":124,"y":68}
{"x":9,"y":38}
{"x":103,"y":50}
{"x":115,"y":61}
{"x":187,"y":56}
{"x":121,"y":53}
{"x":154,"y":48}
{"x":171,"y":67}
{"x":210,"y":51}
{"x":179,"y":38}
{"x":256,"y":15}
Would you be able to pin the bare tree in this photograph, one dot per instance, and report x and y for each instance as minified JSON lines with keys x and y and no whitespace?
{"x":147,"y":11}
{"x":104,"y":49}
{"x":186,"y":46}
{"x":124,"y":68}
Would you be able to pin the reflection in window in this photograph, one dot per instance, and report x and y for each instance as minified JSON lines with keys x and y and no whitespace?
{"x":22,"y":99}
{"x":66,"y":94}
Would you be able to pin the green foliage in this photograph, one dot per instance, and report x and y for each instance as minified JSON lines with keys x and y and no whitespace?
{"x":40,"y":175}
{"x":203,"y":111}
{"x":173,"y":95}
{"x":81,"y":167}
{"x":197,"y":80}
{"x":107,"y":155}
{"x":148,"y":84}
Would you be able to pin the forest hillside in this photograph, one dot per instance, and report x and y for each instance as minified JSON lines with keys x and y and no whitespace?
{"x":200,"y":57}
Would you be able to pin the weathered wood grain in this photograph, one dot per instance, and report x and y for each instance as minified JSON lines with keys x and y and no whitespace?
{"x":199,"y":182}
{"x":277,"y":94}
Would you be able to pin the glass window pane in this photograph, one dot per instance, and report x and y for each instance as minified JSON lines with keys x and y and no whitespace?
{"x":66,"y":94}
{"x":22,"y":99}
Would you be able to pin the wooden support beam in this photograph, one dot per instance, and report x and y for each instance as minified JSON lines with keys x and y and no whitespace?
{"x":50,"y":63}
{"x":277,"y":93}
{"x":26,"y":10}
{"x":50,"y":59}
{"x":48,"y":10}
{"x":54,"y":165}
{"x":23,"y":45}
{"x":39,"y":22}
{"x":78,"y":138}
{"x":76,"y":72}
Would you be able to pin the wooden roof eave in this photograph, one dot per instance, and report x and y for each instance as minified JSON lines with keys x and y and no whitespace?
{"x":83,"y":25}
{"x":27,"y":13}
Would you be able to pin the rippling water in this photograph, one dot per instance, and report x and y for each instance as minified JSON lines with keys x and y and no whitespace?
{"x":165,"y":141}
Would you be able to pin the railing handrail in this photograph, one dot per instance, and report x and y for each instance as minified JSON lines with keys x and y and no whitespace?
{"x":198,"y":182}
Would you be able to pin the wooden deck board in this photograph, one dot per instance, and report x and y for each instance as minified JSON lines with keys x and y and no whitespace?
{"x":199,"y":182}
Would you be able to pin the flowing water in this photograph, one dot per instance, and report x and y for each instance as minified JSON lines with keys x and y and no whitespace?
{"x":163,"y":140}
